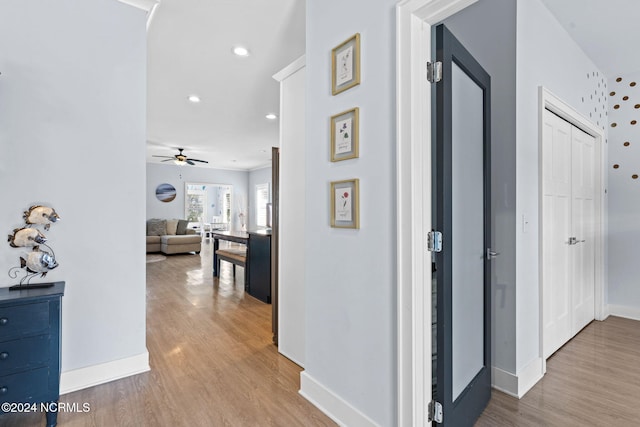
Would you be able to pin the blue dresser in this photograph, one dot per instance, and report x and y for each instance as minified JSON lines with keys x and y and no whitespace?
{"x":30,"y":348}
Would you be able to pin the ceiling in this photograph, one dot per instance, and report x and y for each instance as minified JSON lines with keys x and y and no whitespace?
{"x":190,"y":52}
{"x":606,"y":30}
{"x":190,"y":44}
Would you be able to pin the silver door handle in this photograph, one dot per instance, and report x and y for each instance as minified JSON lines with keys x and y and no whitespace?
{"x":491,"y":254}
{"x":574,"y":241}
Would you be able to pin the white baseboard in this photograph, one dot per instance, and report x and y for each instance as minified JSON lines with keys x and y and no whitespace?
{"x":504,"y":381}
{"x":529,"y":376}
{"x":624,"y":311}
{"x":331,"y":404}
{"x":90,"y":376}
{"x":517,"y":385}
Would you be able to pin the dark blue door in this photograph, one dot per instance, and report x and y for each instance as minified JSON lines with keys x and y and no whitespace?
{"x":461,"y":164}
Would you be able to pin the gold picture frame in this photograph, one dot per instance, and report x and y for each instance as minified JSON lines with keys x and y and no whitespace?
{"x":345,"y":65}
{"x":345,"y":131}
{"x":345,"y":204}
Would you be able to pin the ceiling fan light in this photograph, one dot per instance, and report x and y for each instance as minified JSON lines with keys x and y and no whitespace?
{"x":179,"y":163}
{"x":194,"y":98}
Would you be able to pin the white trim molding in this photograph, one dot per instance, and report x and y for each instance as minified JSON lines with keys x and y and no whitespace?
{"x":332,"y":405}
{"x":94,"y":375}
{"x":414,"y":19}
{"x":290,"y":69}
{"x":146,"y":5}
{"x":624,"y":311}
{"x":149,"y":6}
{"x":517,"y":385}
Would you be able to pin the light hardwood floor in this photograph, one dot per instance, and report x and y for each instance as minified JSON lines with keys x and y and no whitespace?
{"x":594,"y":380}
{"x":213,"y":364}
{"x":211,"y":356}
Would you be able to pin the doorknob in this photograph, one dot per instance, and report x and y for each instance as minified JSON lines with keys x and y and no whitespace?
{"x":574,"y":241}
{"x":491,"y":254}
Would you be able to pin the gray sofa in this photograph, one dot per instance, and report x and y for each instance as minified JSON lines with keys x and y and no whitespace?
{"x":171,"y":237}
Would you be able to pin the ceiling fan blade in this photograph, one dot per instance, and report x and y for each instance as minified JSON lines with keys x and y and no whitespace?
{"x":190,"y":162}
{"x":166,"y":157}
{"x":168,"y":160}
{"x":201,"y":161}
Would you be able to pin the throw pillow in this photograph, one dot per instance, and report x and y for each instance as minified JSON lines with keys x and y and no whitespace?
{"x":149,"y":224}
{"x":172,"y":225}
{"x":156,"y":227}
{"x":182,"y":226}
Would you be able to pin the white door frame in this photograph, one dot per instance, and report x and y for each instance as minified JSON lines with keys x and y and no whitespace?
{"x":549,"y":101}
{"x":414,"y":19}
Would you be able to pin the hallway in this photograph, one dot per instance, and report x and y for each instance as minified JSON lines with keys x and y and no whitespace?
{"x":211,"y":356}
{"x":594,"y":380}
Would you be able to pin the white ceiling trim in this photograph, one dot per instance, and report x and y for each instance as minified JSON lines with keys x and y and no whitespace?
{"x":146,"y":5}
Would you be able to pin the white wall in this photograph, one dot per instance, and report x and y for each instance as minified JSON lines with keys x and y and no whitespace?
{"x":256,"y":177}
{"x":292,"y":214}
{"x":547,"y":56}
{"x":158,"y":173}
{"x":624,"y":203}
{"x":72,"y":130}
{"x":493,"y":45}
{"x":350,"y":274}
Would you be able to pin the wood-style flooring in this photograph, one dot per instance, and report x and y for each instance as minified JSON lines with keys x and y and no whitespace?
{"x":594,"y":380}
{"x":211,"y":356}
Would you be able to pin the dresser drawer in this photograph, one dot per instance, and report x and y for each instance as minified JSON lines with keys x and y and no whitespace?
{"x":21,"y":320}
{"x":25,"y":353}
{"x":26,"y":386}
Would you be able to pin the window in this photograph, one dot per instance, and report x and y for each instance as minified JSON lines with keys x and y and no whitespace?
{"x":211,"y":202}
{"x":195,"y":202}
{"x":262,"y":198}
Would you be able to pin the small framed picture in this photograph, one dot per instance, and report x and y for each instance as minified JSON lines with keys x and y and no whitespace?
{"x":344,"y":135}
{"x":345,"y":65}
{"x":345,"y":204}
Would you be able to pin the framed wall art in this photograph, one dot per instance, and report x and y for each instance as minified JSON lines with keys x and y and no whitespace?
{"x":165,"y":193}
{"x":345,"y":204}
{"x":345,"y":65}
{"x":345,"y":135}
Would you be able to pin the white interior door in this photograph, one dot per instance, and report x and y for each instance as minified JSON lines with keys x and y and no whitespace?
{"x":556,"y":220}
{"x":583,"y":226}
{"x":568,"y":209}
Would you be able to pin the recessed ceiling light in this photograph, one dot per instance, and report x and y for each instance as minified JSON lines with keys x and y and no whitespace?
{"x":241,"y":51}
{"x":194,"y":98}
{"x":271,"y":116}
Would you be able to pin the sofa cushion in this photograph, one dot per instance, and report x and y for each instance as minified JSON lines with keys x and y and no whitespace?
{"x":180,"y":240}
{"x":172,"y":225}
{"x":153,"y":239}
{"x":156,"y":227}
{"x":182,"y":227}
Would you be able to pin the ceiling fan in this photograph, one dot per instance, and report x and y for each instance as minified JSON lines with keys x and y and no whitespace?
{"x":180,"y":159}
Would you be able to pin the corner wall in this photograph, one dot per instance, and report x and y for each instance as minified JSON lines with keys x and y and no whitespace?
{"x":350,"y":277}
{"x":493,"y":44}
{"x":624,"y":194}
{"x":547,"y":56}
{"x":72,"y":127}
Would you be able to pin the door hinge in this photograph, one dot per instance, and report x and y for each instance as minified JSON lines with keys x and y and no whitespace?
{"x":434,"y":71}
{"x":434,"y":241}
{"x":435,"y":412}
